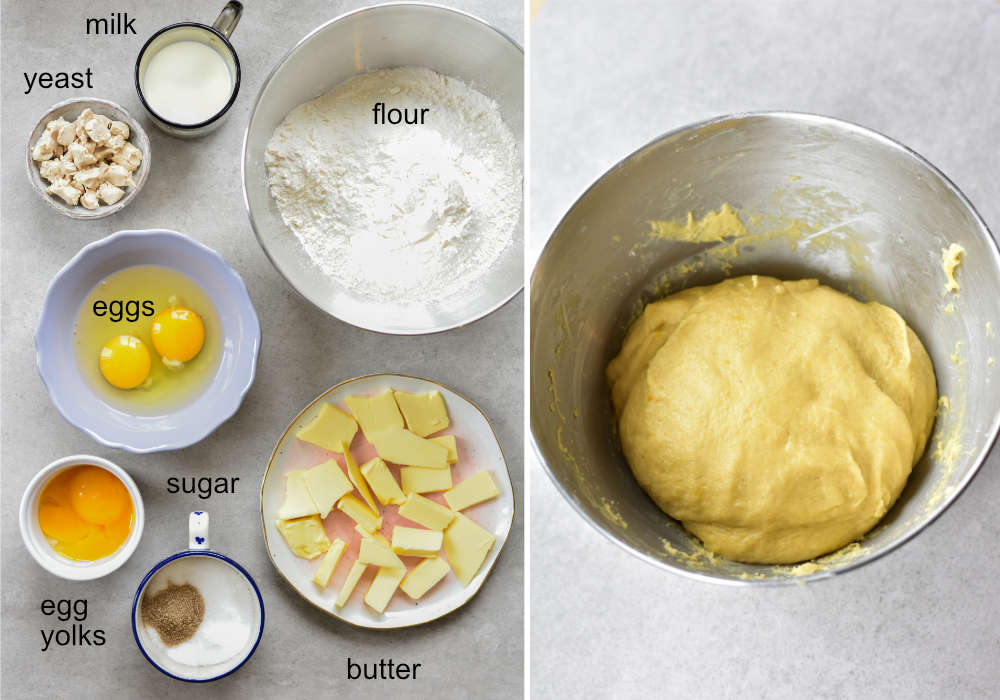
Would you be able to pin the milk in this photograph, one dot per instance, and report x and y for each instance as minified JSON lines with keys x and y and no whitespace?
{"x":228,"y":630}
{"x":187,"y":82}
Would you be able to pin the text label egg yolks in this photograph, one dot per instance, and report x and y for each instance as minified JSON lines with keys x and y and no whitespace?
{"x":125,"y":362}
{"x":178,"y":334}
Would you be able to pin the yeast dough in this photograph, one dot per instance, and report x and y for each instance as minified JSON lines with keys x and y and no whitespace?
{"x":777,"y":421}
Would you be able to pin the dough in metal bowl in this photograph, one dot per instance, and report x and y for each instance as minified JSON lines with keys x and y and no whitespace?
{"x":778,"y":421}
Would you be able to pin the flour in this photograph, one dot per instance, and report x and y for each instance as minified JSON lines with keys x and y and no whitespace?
{"x":398,"y":212}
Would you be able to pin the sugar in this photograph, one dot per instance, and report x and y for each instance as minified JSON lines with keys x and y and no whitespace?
{"x":229,"y":612}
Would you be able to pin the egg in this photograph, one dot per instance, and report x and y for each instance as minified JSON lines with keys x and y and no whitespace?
{"x":178,"y":335}
{"x":125,"y":362}
{"x":85,"y":512}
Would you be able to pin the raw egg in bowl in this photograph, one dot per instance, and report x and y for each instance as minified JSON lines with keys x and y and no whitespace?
{"x":81,"y":517}
{"x":147,"y":341}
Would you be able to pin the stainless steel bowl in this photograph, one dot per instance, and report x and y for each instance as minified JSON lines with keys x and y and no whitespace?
{"x":385,"y":36}
{"x":874,"y":219}
{"x":69,"y":110}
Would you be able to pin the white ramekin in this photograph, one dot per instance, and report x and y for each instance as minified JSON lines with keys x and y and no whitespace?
{"x":38,"y":545}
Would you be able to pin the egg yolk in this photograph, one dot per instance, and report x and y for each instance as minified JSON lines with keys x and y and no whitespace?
{"x":125,"y":362}
{"x":178,"y":334}
{"x":85,"y":512}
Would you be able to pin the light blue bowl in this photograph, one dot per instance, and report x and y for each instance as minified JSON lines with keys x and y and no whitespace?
{"x":183,"y":426}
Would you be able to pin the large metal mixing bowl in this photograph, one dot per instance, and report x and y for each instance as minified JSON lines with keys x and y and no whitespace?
{"x":385,"y":36}
{"x":857,"y":210}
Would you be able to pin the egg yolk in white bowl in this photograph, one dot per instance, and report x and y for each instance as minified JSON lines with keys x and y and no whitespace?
{"x":85,"y":513}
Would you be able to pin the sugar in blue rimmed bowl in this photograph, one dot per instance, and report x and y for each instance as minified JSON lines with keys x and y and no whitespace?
{"x":180,"y":425}
{"x":197,"y":616}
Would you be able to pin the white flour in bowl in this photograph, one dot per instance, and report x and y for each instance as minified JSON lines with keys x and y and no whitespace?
{"x":398,"y":212}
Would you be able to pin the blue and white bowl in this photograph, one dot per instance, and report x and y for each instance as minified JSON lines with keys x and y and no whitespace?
{"x":82,"y":406}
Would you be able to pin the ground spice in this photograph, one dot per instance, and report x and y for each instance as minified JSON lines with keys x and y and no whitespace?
{"x":175,"y":612}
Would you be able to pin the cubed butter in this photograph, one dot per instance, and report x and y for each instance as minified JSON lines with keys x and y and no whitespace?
{"x":423,"y":480}
{"x":424,"y":577}
{"x":359,"y":513}
{"x":298,"y":503}
{"x":322,"y":576}
{"x":426,"y":512}
{"x":425,"y":414}
{"x":448,"y":441}
{"x":374,"y":552}
{"x":382,"y":482}
{"x":477,"y":488}
{"x":304,"y":536}
{"x":403,"y":447}
{"x":375,"y":413}
{"x":377,"y":536}
{"x":466,"y":545}
{"x":330,"y":429}
{"x":326,"y":484}
{"x":414,"y":542}
{"x":383,"y":587}
{"x":358,"y":480}
{"x":350,"y":583}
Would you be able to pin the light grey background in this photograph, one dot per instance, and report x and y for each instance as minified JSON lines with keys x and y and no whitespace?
{"x":194,"y":187}
{"x":605,"y":79}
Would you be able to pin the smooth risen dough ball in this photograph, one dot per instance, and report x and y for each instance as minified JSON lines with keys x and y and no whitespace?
{"x":777,"y":421}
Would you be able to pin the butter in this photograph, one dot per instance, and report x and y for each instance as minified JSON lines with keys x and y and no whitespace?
{"x":377,"y":536}
{"x":383,"y":587}
{"x":374,"y":552}
{"x":304,"y":536}
{"x":477,"y":488}
{"x":413,"y":542}
{"x":360,"y":513}
{"x":322,"y":576}
{"x":298,"y":503}
{"x":326,"y":484}
{"x":951,"y":258}
{"x":358,"y":480}
{"x":403,"y":447}
{"x":383,"y":483}
{"x":466,"y":545}
{"x":350,"y":583}
{"x":424,"y":413}
{"x":447,"y":441}
{"x":330,"y":429}
{"x":375,"y":413}
{"x":423,"y":480}
{"x":426,"y":512}
{"x":424,"y":577}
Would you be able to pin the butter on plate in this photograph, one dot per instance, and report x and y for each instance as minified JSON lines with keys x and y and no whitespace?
{"x":330,"y":429}
{"x":404,"y":447}
{"x":426,"y":512}
{"x":304,"y":536}
{"x":466,"y":545}
{"x":414,"y":542}
{"x":326,"y":485}
{"x":424,"y":577}
{"x":382,"y":482}
{"x":425,"y":414}
{"x":298,"y":503}
{"x":330,"y":560}
{"x":375,"y":413}
{"x":424,"y":480}
{"x":477,"y":488}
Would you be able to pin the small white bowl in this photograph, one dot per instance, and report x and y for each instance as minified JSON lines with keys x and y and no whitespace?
{"x":70,"y":110}
{"x":38,"y":545}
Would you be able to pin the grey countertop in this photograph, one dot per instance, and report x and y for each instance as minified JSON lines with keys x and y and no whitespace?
{"x":605,"y":79}
{"x":194,"y":187}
